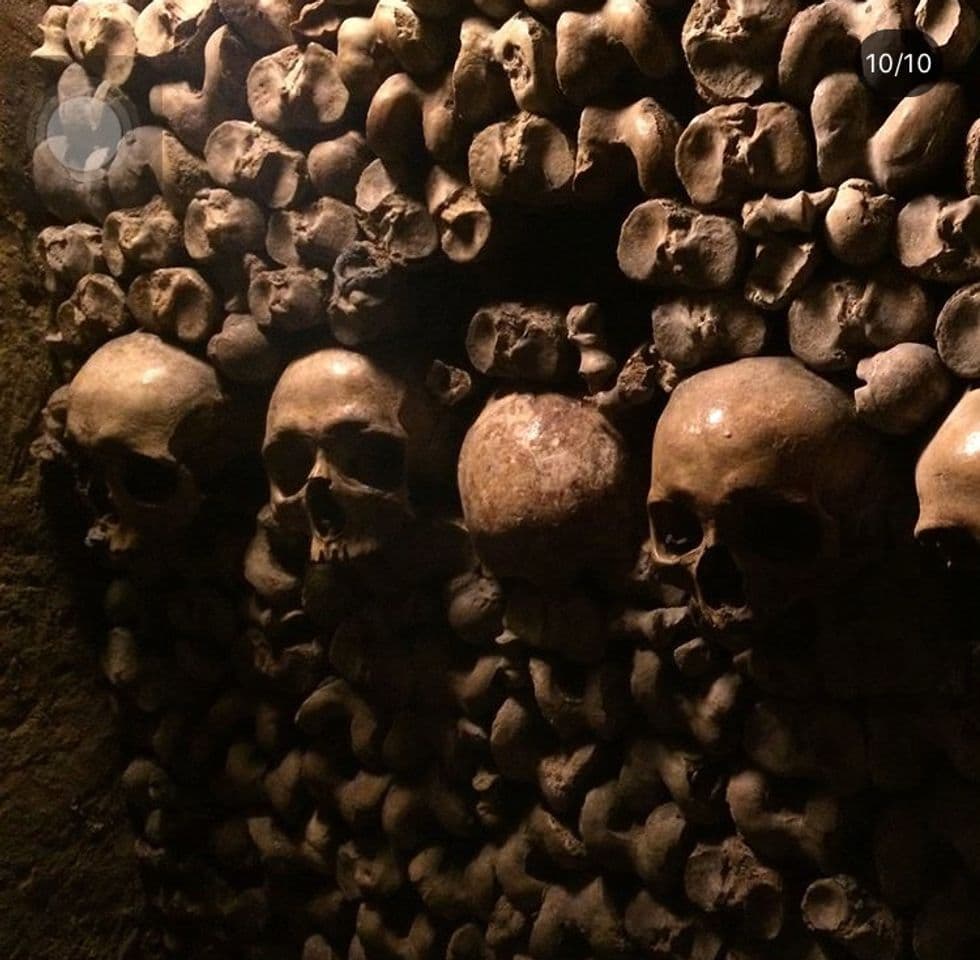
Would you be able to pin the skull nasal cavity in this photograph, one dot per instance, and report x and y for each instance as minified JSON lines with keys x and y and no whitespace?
{"x":325,"y":513}
{"x":719,"y":579}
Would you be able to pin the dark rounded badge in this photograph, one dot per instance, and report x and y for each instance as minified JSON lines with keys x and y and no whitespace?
{"x":900,"y":63}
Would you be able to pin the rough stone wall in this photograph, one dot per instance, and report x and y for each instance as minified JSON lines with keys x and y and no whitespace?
{"x":68,"y":883}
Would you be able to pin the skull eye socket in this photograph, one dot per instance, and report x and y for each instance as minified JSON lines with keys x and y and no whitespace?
{"x":148,"y":481}
{"x":374,"y":459}
{"x":779,"y":530}
{"x":952,"y":549}
{"x":675,"y":526}
{"x":288,"y":461}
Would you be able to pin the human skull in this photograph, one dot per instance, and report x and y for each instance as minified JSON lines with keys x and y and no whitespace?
{"x":150,"y":419}
{"x":543,"y":483}
{"x":345,"y":439}
{"x":947,"y":479}
{"x":761,"y":474}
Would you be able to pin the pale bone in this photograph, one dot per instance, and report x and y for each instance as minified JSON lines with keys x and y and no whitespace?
{"x":617,"y":144}
{"x":586,"y":331}
{"x":345,"y":438}
{"x":519,"y":341}
{"x":525,"y":159}
{"x":220,"y":225}
{"x":148,"y":416}
{"x":695,"y":331}
{"x":171,"y":33}
{"x":525,"y":50}
{"x":665,"y":243}
{"x":176,"y":304}
{"x":102,"y":35}
{"x":758,"y":444}
{"x":938,"y":238}
{"x":860,"y":223}
{"x":335,"y":165}
{"x":398,"y":223}
{"x":313,"y":236}
{"x":144,"y":238}
{"x":480,"y":88}
{"x":537,"y":523}
{"x":264,"y":24}
{"x":800,"y":213}
{"x":295,"y":90}
{"x":96,"y":312}
{"x":245,"y":158}
{"x":194,"y":113}
{"x":833,"y":323}
{"x":288,"y":299}
{"x":780,"y":271}
{"x":735,"y":56}
{"x":241,"y":352}
{"x":408,"y":122}
{"x":905,"y":387}
{"x":947,"y":480}
{"x":465,"y":225}
{"x":595,"y":49}
{"x":151,"y":161}
{"x":729,"y":153}
{"x":69,"y":253}
{"x":904,"y":153}
{"x":54,"y":51}
{"x":394,"y":38}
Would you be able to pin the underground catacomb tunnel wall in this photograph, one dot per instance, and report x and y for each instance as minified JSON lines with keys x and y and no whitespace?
{"x":489,"y":482}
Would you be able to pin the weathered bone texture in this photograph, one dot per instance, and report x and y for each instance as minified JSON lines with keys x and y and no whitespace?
{"x":838,"y":908}
{"x":692,"y":332}
{"x":102,"y":37}
{"x":733,"y":52}
{"x":244,"y":157}
{"x":153,"y":447}
{"x":151,"y":161}
{"x":732,"y":442}
{"x":937,"y":238}
{"x":532,"y":517}
{"x":69,"y":253}
{"x":422,"y":649}
{"x":175,"y":303}
{"x":665,"y":243}
{"x":142,"y":239}
{"x":596,"y":48}
{"x":616,"y":145}
{"x":832,"y":323}
{"x":904,"y":152}
{"x":194,"y":112}
{"x":525,"y":159}
{"x":905,"y":387}
{"x":296,"y":89}
{"x":170,"y":36}
{"x":726,"y":154}
{"x":519,"y":342}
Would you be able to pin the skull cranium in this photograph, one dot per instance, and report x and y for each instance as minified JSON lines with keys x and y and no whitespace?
{"x":345,"y":437}
{"x":947,"y":479}
{"x":761,"y":474}
{"x":150,"y":418}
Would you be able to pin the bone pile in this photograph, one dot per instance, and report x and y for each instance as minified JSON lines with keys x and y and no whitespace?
{"x":367,"y":325}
